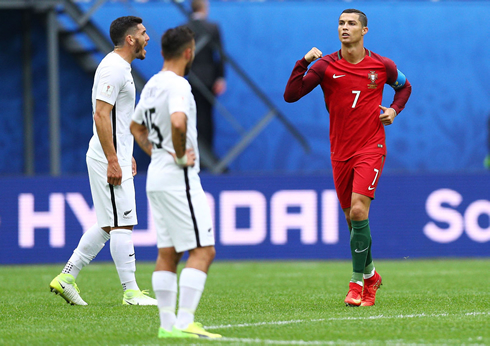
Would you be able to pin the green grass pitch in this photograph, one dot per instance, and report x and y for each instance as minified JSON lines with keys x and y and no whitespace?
{"x":422,"y":302}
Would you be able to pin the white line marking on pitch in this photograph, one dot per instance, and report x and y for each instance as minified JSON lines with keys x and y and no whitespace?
{"x":279,"y":342}
{"x":317,"y":342}
{"x":341,"y":319}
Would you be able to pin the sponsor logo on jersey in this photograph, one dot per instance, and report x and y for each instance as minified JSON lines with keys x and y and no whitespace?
{"x":338,"y":76}
{"x":373,"y":76}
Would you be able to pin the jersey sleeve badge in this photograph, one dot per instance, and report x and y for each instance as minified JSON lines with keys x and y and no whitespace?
{"x":107,"y":90}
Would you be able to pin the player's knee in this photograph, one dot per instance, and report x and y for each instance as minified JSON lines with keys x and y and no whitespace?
{"x":208,"y":253}
{"x":168,"y":255}
{"x":358,"y":213}
{"x":205,"y":254}
{"x":201,"y":258}
{"x":212,"y":253}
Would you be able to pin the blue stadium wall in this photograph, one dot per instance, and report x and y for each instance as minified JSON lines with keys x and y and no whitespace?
{"x":75,"y":108}
{"x":433,"y":199}
{"x":263,"y":217}
{"x":438,"y":45}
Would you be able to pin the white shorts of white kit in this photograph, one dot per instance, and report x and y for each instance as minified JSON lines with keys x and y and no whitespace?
{"x":182,"y":216}
{"x":115,"y":206}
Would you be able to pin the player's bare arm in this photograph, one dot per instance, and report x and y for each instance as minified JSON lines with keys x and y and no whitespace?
{"x":388,"y":115}
{"x":313,"y":54}
{"x":140,"y":134}
{"x":102,"y":119}
{"x":134,"y":168}
{"x":179,"y":134}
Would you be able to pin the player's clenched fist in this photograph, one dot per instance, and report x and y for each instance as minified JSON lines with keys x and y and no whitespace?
{"x":388,"y":115}
{"x":313,"y":54}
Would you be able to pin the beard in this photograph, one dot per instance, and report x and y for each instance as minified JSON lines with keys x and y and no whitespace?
{"x":187,"y":68}
{"x":140,"y":51}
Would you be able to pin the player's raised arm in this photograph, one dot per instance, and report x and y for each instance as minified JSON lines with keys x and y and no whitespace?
{"x":313,"y":54}
{"x":300,"y":84}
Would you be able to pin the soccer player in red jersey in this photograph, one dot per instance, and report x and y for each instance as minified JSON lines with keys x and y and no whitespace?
{"x":352,"y":80}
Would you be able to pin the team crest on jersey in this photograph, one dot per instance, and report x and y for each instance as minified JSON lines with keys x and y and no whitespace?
{"x":373,"y":76}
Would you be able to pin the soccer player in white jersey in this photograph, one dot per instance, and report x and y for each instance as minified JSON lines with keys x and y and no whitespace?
{"x":164,"y":125}
{"x":111,"y":167}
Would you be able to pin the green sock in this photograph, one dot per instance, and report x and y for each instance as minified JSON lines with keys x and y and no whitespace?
{"x":360,"y":242}
{"x":369,"y":268}
{"x":369,"y":260}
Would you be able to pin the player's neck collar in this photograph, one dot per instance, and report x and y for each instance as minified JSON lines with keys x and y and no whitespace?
{"x":367,"y":52}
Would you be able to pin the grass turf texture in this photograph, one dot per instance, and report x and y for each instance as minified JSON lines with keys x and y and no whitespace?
{"x":260,"y":303}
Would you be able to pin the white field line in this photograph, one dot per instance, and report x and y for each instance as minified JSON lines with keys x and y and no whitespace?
{"x":280,"y":342}
{"x":257,"y":324}
{"x":241,"y":341}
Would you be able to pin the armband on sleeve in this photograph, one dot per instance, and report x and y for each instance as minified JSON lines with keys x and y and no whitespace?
{"x":400,"y":80}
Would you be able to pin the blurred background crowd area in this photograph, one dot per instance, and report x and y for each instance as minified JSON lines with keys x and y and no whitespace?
{"x":437,"y":45}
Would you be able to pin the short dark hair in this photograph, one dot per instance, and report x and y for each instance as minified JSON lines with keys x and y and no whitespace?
{"x":175,"y":40}
{"x":120,"y":27}
{"x":197,"y":5}
{"x":362,"y":15}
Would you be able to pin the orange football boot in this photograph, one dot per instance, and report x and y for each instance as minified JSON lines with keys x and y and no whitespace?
{"x":354,"y":295}
{"x":371,"y":285}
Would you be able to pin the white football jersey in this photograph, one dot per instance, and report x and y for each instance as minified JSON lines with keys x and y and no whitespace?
{"x":113,"y":83}
{"x":164,"y":94}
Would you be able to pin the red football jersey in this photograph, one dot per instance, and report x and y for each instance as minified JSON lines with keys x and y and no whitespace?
{"x":353,"y":93}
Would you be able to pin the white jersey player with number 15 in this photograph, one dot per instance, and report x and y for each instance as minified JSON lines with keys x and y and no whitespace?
{"x":164,"y":126}
{"x":164,"y":94}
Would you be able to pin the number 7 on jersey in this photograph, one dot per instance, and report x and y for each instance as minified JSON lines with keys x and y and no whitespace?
{"x":357,"y":92}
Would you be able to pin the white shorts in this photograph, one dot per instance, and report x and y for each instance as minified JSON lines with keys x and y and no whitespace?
{"x":115,"y":206}
{"x":182,"y":217}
